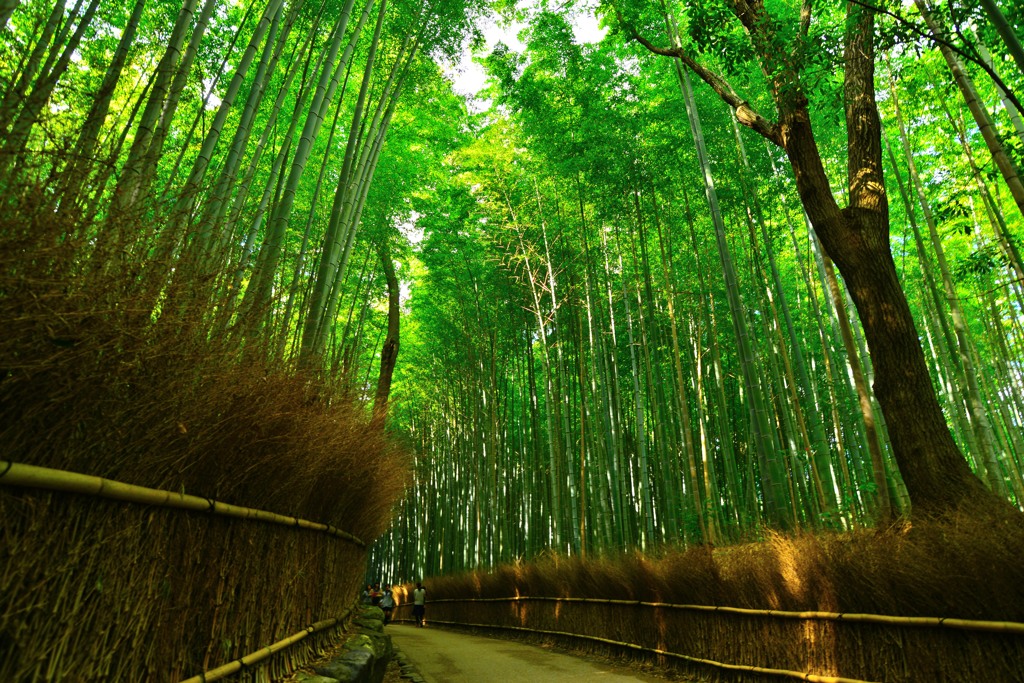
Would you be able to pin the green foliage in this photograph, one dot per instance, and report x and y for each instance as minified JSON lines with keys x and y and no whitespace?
{"x":570,"y":362}
{"x":544,"y":291}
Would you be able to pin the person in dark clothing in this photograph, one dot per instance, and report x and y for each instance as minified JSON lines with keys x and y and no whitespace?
{"x":387,"y":603}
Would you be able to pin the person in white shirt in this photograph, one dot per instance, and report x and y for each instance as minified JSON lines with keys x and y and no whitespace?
{"x":419,"y":601}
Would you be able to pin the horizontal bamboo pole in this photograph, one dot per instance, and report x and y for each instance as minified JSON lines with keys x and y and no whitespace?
{"x":1010,"y":627}
{"x":261,"y":654}
{"x":799,"y":675}
{"x":31,"y":476}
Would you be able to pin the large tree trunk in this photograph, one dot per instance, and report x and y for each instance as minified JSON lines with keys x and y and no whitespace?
{"x":857,"y":239}
{"x":934,"y":470}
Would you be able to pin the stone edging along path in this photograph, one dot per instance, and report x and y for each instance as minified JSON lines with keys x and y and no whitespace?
{"x":409,"y":670}
{"x":364,"y":657}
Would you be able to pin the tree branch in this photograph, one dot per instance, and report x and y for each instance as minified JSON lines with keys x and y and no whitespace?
{"x":930,"y":36}
{"x":745,"y":114}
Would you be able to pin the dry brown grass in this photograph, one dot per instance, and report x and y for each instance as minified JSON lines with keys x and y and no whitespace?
{"x":100,"y":375}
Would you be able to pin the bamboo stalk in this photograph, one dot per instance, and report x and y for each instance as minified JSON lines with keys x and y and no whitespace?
{"x":801,"y":675}
{"x":944,"y":622}
{"x":261,"y":654}
{"x":31,"y":476}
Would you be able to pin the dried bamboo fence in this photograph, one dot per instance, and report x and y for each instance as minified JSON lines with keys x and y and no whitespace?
{"x":255,"y":657}
{"x":94,"y":590}
{"x":17,"y":474}
{"x":757,"y":644}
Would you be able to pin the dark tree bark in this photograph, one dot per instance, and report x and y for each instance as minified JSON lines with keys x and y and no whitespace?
{"x":856,"y":238}
{"x":389,"y":350}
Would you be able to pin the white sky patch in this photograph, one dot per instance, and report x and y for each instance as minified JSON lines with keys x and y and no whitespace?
{"x":213,"y":101}
{"x":584,"y":25}
{"x":404,"y":287}
{"x":410,"y":229}
{"x":414,"y":233}
{"x":468,"y":77}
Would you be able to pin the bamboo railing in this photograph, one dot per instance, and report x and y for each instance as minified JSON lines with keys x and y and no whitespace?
{"x":1010,"y":627}
{"x":998,"y":627}
{"x":264,"y":652}
{"x":799,"y":675}
{"x":31,"y":476}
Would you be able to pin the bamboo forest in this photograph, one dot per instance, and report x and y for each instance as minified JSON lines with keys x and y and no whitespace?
{"x":479,"y":282}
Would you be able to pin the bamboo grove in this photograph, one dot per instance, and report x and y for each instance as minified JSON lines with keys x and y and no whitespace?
{"x":627,"y":332}
{"x":226,"y":151}
{"x":623,"y":325}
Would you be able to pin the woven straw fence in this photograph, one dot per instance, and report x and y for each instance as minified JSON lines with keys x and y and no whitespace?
{"x":731,"y":644}
{"x":132,"y":584}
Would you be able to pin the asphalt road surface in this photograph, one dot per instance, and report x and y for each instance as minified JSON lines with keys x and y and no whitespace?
{"x":444,"y":656}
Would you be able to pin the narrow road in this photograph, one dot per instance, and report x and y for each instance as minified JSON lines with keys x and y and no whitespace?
{"x":444,"y":656}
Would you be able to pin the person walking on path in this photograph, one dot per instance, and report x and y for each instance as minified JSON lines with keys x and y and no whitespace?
{"x":419,"y":601}
{"x":387,"y":603}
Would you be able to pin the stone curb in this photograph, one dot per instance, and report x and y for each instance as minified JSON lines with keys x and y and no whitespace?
{"x":408,"y":669}
{"x":364,"y":656}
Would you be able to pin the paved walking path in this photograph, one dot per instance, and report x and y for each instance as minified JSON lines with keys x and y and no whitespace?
{"x":444,"y":656}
